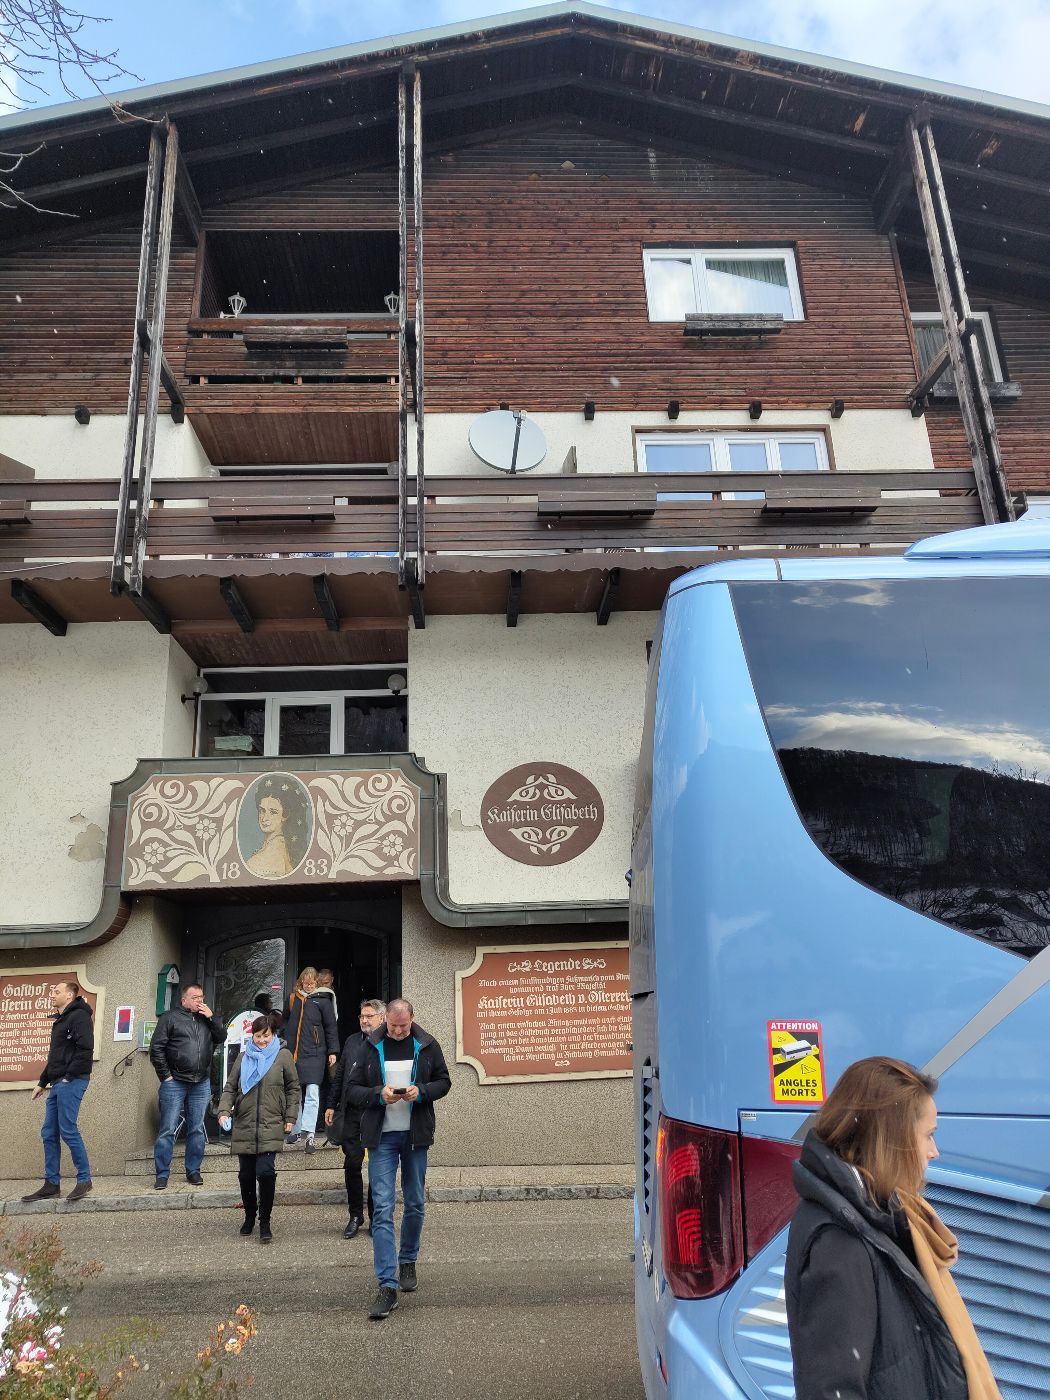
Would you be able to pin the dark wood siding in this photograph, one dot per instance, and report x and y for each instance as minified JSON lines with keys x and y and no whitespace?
{"x":1024,"y":426}
{"x":67,"y":320}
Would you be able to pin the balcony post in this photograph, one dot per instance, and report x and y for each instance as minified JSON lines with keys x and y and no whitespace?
{"x":417,"y":200}
{"x":963,"y":352}
{"x":402,"y":327}
{"x":127,"y":471}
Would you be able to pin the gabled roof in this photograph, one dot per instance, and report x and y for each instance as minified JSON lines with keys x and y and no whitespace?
{"x":795,"y":114}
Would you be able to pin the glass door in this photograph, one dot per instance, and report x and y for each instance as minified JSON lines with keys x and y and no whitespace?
{"x":304,"y":724}
{"x":247,"y":977}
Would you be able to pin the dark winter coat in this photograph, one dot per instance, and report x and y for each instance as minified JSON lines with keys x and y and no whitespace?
{"x":365,"y":1088}
{"x":183,"y":1045}
{"x":72,"y":1045}
{"x":864,"y":1324}
{"x":311,"y":1036}
{"x":259,"y":1115}
{"x":346,"y":1124}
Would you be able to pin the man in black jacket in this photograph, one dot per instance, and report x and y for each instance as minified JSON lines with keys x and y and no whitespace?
{"x":344,"y":1122}
{"x":68,"y":1072}
{"x":395,"y":1083}
{"x":181,"y":1052}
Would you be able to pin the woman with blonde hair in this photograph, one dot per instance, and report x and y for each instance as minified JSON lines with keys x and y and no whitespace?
{"x":873,"y":1311}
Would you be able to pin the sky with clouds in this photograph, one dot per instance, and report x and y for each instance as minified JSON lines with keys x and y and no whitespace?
{"x":958,"y":43}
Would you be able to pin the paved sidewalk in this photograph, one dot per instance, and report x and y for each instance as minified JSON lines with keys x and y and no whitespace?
{"x":324,"y":1186}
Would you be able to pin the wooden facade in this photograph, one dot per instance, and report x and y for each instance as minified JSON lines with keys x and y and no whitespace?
{"x":548,"y":155}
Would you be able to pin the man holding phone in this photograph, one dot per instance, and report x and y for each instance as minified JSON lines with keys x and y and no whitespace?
{"x":395,"y":1082}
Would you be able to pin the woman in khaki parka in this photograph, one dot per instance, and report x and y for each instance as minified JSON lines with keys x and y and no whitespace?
{"x":260,"y":1102}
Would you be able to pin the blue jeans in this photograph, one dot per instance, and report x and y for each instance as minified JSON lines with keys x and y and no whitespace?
{"x":179,"y":1100}
{"x":383,"y":1161}
{"x":60,"y":1126}
{"x":307,"y":1119}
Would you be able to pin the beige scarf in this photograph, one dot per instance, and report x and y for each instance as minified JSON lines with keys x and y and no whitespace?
{"x":936,"y":1250}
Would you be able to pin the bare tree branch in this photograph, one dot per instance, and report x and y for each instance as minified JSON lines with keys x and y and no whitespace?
{"x":38,"y":36}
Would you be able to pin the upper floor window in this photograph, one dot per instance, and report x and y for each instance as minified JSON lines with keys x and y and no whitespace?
{"x":929,"y":338}
{"x":325,"y":710}
{"x":721,"y":282}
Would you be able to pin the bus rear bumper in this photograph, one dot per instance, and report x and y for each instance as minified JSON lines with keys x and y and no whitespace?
{"x":678,"y":1345}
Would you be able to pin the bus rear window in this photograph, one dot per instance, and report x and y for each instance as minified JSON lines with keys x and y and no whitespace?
{"x":912,"y":723}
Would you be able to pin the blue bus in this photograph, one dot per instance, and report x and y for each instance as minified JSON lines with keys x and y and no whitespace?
{"x":841,"y":848}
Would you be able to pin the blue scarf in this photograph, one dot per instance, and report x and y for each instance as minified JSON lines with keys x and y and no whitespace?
{"x":256,"y":1061}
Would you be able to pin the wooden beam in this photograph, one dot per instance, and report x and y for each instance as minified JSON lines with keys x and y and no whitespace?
{"x":189,"y":204}
{"x":231,"y":596}
{"x":609,"y":591}
{"x":417,"y":218}
{"x":325,"y":601}
{"x":150,"y":609}
{"x":156,"y":329}
{"x":513,"y":597}
{"x":893,"y":192}
{"x":415,"y":594}
{"x":38,"y":607}
{"x":127,"y":470}
{"x":167,"y":375}
{"x":999,"y":261}
{"x":931,"y":374}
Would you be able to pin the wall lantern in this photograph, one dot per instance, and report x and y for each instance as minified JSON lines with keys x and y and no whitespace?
{"x":392,"y":302}
{"x":236,"y":303}
{"x":754,"y":409}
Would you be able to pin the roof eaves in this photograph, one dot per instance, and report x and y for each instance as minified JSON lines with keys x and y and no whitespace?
{"x":534,"y":17}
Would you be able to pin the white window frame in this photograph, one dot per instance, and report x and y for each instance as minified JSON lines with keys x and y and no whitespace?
{"x":720,"y":441}
{"x":274,"y":700}
{"x":986,"y":332}
{"x":698,"y":259}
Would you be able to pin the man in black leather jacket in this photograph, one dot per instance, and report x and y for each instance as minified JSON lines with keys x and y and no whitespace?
{"x":181,"y":1052}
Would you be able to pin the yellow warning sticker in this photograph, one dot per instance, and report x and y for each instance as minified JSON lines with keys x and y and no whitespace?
{"x":796,"y":1062}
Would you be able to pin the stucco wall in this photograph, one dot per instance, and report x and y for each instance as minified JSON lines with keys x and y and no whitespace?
{"x":861,"y":440}
{"x":119,"y":1111}
{"x":585,"y":1121}
{"x":58,"y":446}
{"x":485,"y":697}
{"x":76,"y":714}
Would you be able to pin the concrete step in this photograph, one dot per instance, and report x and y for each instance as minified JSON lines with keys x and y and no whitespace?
{"x":219,"y":1159}
{"x":296,"y":1187}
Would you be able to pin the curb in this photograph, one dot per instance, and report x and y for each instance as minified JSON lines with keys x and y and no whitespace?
{"x":310,"y":1196}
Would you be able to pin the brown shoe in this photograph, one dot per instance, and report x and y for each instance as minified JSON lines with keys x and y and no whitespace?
{"x":45,"y":1192}
{"x":79,"y":1191}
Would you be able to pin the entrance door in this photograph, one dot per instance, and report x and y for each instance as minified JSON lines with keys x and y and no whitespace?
{"x":256,"y":971}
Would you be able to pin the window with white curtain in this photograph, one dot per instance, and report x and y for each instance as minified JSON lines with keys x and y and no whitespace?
{"x":929,"y":338}
{"x":721,"y":282}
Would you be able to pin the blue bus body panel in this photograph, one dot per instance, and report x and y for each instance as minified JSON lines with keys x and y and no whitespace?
{"x":740,"y":919}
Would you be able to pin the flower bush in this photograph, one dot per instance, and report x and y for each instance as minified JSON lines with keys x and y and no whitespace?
{"x":37,"y":1362}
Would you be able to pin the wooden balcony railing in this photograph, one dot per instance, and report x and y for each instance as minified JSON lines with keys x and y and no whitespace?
{"x":638,"y":516}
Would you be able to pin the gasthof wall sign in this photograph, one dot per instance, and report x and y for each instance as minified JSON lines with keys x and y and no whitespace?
{"x":542,"y":813}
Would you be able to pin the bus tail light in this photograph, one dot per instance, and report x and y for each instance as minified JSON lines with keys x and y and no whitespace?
{"x":698,"y":1179}
{"x":770,"y":1198}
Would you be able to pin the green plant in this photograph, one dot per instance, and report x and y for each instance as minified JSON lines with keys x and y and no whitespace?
{"x":37,"y":1362}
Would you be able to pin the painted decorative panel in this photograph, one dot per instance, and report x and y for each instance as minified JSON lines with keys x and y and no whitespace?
{"x":207,"y":829}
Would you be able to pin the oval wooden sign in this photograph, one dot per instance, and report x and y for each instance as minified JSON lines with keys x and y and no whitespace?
{"x":542,"y":814}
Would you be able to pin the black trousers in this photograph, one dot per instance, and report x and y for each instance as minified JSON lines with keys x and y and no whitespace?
{"x":353,"y":1158}
{"x":257,"y":1178}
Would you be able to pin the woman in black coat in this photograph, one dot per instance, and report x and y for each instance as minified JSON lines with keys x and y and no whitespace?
{"x":313,"y":1040}
{"x":872,"y":1311}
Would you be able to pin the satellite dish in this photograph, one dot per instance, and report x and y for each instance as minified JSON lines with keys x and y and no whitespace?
{"x":507,"y":440}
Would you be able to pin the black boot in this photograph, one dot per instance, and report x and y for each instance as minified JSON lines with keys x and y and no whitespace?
{"x":267,"y":1186}
{"x":246,"y":1181}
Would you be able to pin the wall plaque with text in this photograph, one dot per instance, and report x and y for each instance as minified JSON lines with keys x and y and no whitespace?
{"x":239,"y":829}
{"x":26,"y":1019}
{"x":545,"y":1011}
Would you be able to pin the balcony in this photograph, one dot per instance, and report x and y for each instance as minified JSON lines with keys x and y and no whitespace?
{"x":318,"y":553}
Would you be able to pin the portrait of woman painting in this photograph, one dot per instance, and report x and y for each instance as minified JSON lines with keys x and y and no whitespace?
{"x":274,"y":825}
